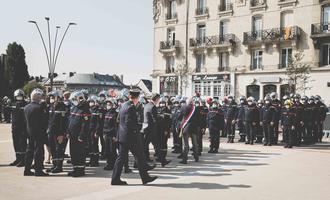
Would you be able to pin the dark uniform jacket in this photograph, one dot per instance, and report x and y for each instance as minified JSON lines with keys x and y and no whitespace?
{"x":251,"y":113}
{"x":194,"y":122}
{"x":58,"y":119}
{"x":288,"y":117}
{"x":110,"y":123}
{"x":34,"y":115}
{"x":79,"y":122}
{"x":18,"y":121}
{"x":149,"y":118}
{"x":163,"y":119}
{"x":267,"y":114}
{"x":215,"y":119}
{"x":322,"y":111}
{"x":176,"y":118}
{"x":232,"y":111}
{"x":128,"y":123}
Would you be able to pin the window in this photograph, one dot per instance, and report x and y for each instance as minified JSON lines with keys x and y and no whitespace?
{"x":326,"y":18}
{"x":225,"y":5}
{"x":207,"y":88}
{"x":253,"y":91}
{"x":171,"y":36}
{"x":287,"y":19}
{"x":268,"y":89}
{"x":285,"y":90}
{"x":217,"y":90}
{"x":227,"y":89}
{"x":198,"y":87}
{"x":201,"y":33}
{"x":325,"y":55}
{"x":201,"y":4}
{"x":256,"y":60}
{"x":172,"y":10}
{"x":170,"y":62}
{"x":200,"y":62}
{"x":257,"y":26}
{"x":286,"y":57}
{"x":223,"y":61}
{"x":223,"y":28}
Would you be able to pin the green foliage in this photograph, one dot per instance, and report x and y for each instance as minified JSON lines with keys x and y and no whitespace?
{"x":15,"y":70}
{"x":29,"y":87}
{"x":298,"y":73}
{"x":183,"y":71}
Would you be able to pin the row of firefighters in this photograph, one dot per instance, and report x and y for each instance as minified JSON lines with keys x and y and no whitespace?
{"x":87,"y":120}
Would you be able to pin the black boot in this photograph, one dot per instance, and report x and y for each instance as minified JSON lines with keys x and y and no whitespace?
{"x":15,"y":162}
{"x":22,"y":161}
{"x":59,"y":167}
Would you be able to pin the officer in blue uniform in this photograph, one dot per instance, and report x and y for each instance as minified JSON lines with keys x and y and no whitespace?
{"x":322,"y":110}
{"x":78,"y":133}
{"x":240,"y":117}
{"x":127,"y":138}
{"x":176,"y":114}
{"x":18,"y":126}
{"x":277,"y":104}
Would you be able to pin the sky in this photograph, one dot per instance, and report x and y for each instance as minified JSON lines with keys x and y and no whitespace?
{"x":111,"y":36}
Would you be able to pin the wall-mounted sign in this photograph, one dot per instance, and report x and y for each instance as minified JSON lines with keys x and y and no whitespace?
{"x":169,"y":85}
{"x":212,"y":77}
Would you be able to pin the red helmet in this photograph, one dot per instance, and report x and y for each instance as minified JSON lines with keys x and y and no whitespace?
{"x":209,"y":100}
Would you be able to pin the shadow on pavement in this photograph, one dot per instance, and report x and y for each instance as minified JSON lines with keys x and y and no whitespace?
{"x":200,"y":185}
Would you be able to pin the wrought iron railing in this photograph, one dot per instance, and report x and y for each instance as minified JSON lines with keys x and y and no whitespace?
{"x":255,"y":3}
{"x":321,"y":28}
{"x":225,"y":7}
{"x":212,"y":40}
{"x":271,"y":35}
{"x":170,"y":16}
{"x":202,"y":11}
{"x":166,"y":45}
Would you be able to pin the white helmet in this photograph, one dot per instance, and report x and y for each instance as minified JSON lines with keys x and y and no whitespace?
{"x":19,"y":92}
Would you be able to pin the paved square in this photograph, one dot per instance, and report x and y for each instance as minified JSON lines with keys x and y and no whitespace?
{"x":238,"y":172}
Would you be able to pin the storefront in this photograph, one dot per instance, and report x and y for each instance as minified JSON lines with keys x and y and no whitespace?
{"x":217,"y":85}
{"x":168,"y":85}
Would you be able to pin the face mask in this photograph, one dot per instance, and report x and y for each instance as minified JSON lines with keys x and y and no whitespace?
{"x":102,"y":98}
{"x":310,"y":102}
{"x":316,"y":101}
{"x":161,"y":105}
{"x":183,"y":104}
{"x":242,"y":101}
{"x":91,"y":104}
{"x":214,"y":106}
{"x":176,"y":105}
{"x":51,"y":100}
{"x":109,"y":107}
{"x":19,"y":98}
{"x":250,"y":103}
{"x":75,"y":102}
{"x":197,"y":105}
{"x":267,"y":102}
{"x":230,"y":100}
{"x":287,"y":106}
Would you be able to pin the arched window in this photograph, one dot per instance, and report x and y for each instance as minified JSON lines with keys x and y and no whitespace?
{"x":253,"y":91}
{"x":268,"y":89}
{"x":285,"y":90}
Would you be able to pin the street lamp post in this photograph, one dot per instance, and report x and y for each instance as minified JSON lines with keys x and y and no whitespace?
{"x":51,"y":56}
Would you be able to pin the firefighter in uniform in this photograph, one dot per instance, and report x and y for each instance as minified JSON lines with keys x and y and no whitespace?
{"x":267,"y":121}
{"x":308,"y":120}
{"x":102,"y":108}
{"x":259,"y":132}
{"x":240,"y":117}
{"x":176,"y":114}
{"x":299,"y":110}
{"x":18,"y":126}
{"x":230,"y":118}
{"x":57,"y":126}
{"x":77,"y":133}
{"x":163,"y":130}
{"x":203,"y":111}
{"x":215,"y":121}
{"x":321,"y":117}
{"x":93,"y":131}
{"x":251,"y":118}
{"x":288,"y":122}
{"x":109,"y":133}
{"x":277,"y":104}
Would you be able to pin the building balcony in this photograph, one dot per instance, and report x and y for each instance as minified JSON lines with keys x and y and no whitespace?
{"x":171,"y":18}
{"x":225,"y":9}
{"x":256,"y":5}
{"x":202,"y":13}
{"x":320,"y":33}
{"x":219,"y":41}
{"x":169,"y":47}
{"x":284,"y":3}
{"x":275,"y":35}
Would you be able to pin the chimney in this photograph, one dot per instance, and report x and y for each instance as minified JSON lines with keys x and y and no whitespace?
{"x":71,"y":74}
{"x":122,"y":78}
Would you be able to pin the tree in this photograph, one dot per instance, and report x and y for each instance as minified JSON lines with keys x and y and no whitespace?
{"x":29,"y":87}
{"x":16,"y":69}
{"x":183,"y":72}
{"x":298,"y":73}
